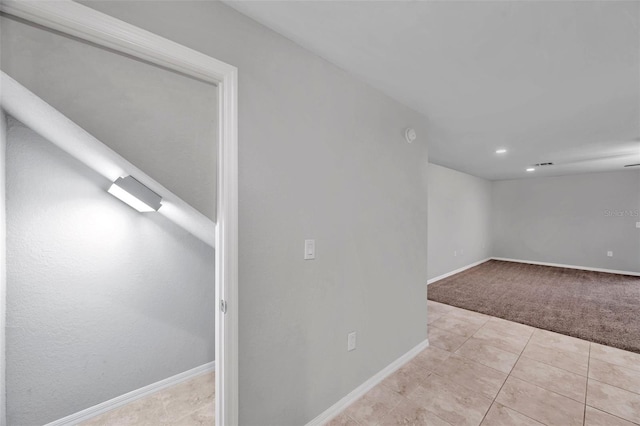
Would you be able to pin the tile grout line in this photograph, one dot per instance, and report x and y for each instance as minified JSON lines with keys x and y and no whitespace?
{"x":536,"y":385}
{"x":613,"y":363}
{"x":607,"y":412}
{"x":610,"y":384}
{"x":614,"y":386}
{"x":540,"y":386}
{"x":447,"y":331}
{"x":403,"y":397}
{"x":505,"y":381}
{"x":554,"y":392}
{"x":394,"y":407}
{"x":508,"y":374}
{"x":586,"y":390}
{"x":555,"y":366}
{"x":453,"y":353}
{"x":521,"y":354}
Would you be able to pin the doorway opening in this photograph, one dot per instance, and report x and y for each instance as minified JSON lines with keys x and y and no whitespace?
{"x":77,"y":21}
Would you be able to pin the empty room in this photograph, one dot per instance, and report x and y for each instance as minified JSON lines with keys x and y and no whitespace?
{"x":305,"y":213}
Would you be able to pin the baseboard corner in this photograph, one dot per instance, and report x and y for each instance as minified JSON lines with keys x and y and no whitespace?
{"x":457,"y":271}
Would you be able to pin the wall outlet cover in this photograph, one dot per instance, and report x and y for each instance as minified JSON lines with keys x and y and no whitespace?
{"x":610,"y":254}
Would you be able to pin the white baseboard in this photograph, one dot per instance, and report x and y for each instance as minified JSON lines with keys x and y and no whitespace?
{"x":448,"y":274}
{"x":127,"y":398}
{"x":560,"y":265}
{"x":358,"y":392}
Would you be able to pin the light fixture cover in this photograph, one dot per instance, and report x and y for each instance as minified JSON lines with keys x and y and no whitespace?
{"x":129,"y":190}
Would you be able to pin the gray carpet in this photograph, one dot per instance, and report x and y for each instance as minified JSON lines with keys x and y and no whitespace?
{"x":595,"y":306}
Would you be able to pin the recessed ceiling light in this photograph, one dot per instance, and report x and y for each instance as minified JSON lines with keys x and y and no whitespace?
{"x":531,"y":169}
{"x":501,"y":151}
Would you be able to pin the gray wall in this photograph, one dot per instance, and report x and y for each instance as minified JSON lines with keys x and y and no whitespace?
{"x":101,"y":299}
{"x":3,"y":272}
{"x":459,"y":220}
{"x":564,"y":220}
{"x":321,"y":156}
{"x":163,"y":122}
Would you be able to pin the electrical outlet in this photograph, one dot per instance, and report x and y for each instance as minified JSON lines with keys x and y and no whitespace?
{"x":455,"y":253}
{"x":610,"y":253}
{"x":351,"y":341}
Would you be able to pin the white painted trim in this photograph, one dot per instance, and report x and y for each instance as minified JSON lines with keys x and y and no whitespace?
{"x":560,"y":265}
{"x":227,"y":403}
{"x":56,"y":128}
{"x":83,"y":22}
{"x":88,"y":24}
{"x":464,"y":268}
{"x":331,"y":412}
{"x":132,"y":396}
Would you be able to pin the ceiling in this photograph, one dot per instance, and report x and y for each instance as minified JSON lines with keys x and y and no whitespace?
{"x":548,"y":81}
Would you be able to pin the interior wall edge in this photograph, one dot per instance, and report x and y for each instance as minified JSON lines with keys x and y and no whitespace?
{"x":3,"y":272}
{"x":459,"y":221}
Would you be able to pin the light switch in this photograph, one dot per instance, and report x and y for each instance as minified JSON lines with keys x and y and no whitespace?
{"x":309,"y":249}
{"x":637,"y":224}
{"x":351,"y":341}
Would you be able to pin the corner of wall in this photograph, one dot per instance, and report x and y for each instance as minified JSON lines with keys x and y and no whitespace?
{"x":492,"y":211}
{"x":3,"y":276}
{"x":460,"y":219}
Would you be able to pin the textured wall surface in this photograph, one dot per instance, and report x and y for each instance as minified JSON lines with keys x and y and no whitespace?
{"x":322,"y":156}
{"x":459,"y":220}
{"x":166,"y":122}
{"x":572,"y":220}
{"x":102,"y":299}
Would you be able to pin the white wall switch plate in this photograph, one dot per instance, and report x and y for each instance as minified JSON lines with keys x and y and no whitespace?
{"x":637,"y":224}
{"x":309,"y":249}
{"x":610,"y":253}
{"x":351,"y":341}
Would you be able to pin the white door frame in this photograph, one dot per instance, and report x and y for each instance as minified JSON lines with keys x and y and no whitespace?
{"x":88,"y":24}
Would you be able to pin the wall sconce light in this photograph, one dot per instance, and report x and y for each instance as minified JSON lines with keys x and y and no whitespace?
{"x":131,"y":191}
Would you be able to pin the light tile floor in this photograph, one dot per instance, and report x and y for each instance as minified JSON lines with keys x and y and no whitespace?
{"x":188,"y":403}
{"x":482,"y":370}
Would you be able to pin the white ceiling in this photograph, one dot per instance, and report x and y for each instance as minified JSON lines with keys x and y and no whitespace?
{"x":549,"y":81}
